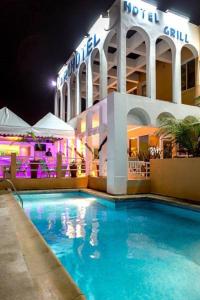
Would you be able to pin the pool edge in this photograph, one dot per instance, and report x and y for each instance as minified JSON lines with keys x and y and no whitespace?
{"x":49,"y":276}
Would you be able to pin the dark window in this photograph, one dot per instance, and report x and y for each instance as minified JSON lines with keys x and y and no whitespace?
{"x":40,"y":147}
{"x":191,"y":74}
{"x":130,"y":33}
{"x":96,"y":62}
{"x":111,"y":50}
{"x":83,"y":104}
{"x":183,"y":77}
{"x":133,"y":55}
{"x":188,"y":75}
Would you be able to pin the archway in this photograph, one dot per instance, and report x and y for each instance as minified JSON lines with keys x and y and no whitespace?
{"x":164,"y":74}
{"x":188,"y":74}
{"x":162,"y":117}
{"x":83,"y":86}
{"x":140,"y":134}
{"x":137,"y":42}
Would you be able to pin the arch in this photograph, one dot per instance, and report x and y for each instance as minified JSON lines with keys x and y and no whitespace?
{"x":162,"y":116}
{"x":138,"y":116}
{"x":137,"y":59}
{"x":73,"y":83}
{"x":65,"y":96}
{"x":108,"y":38}
{"x":189,"y":70}
{"x":165,"y":55}
{"x":83,"y":86}
{"x":169,"y":41}
{"x":142,"y":32}
{"x":191,"y":119}
{"x":95,"y":67}
{"x":192,"y":48}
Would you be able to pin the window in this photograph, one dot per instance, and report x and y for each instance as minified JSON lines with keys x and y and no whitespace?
{"x":188,"y":75}
{"x":83,"y":104}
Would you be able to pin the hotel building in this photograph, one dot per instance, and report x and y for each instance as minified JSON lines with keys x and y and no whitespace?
{"x":135,"y":66}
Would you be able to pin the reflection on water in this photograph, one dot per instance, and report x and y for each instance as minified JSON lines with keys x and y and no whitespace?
{"x":128,"y":253}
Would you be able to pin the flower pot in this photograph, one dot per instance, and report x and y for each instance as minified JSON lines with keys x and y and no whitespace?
{"x":34,"y":164}
{"x":73,"y":170}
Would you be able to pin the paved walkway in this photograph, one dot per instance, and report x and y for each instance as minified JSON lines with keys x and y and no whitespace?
{"x":28,"y":268}
{"x":15,"y":280}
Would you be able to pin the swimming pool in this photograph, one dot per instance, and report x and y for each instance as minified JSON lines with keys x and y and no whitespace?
{"x":139,"y":250}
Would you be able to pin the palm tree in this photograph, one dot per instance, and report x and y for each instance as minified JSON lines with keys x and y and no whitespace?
{"x":184,"y":133}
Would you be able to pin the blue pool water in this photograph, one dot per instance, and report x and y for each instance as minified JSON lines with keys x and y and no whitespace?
{"x":140,"y":251}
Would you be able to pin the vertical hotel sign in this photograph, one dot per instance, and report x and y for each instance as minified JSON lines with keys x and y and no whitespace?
{"x":78,"y":57}
{"x":153,"y":17}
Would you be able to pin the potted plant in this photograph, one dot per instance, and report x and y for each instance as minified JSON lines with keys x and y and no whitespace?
{"x":73,"y":169}
{"x":34,"y":164}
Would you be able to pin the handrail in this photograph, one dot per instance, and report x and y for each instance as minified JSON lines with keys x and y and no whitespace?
{"x":14,"y":188}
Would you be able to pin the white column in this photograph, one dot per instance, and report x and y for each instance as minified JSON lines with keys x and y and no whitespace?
{"x":121,"y":59}
{"x":62,"y":105}
{"x":56,"y":104}
{"x":89,"y":84}
{"x":88,"y":153}
{"x":151,"y":70}
{"x":103,"y":74}
{"x":176,"y":76}
{"x":69,"y":101}
{"x":74,"y":99}
{"x":102,"y":136}
{"x":197,"y":73}
{"x":117,"y":165}
{"x":78,"y":99}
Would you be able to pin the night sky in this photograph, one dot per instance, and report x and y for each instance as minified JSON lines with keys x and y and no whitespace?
{"x":37,"y":36}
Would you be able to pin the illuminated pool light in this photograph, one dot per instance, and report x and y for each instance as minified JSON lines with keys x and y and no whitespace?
{"x":80,"y":202}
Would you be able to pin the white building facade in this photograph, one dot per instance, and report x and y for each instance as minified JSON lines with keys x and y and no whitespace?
{"x":135,"y":66}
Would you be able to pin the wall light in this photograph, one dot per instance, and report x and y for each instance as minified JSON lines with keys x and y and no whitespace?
{"x":53,"y":83}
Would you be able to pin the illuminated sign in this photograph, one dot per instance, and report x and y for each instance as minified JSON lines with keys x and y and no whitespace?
{"x":80,"y":56}
{"x":141,"y":12}
{"x":183,"y":37}
{"x":152,"y":16}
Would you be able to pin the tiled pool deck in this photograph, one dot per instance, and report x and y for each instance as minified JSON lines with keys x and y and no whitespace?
{"x":29,"y":270}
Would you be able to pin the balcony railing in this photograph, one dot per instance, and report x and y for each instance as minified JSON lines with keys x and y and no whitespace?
{"x":138,"y":169}
{"x":27,"y":167}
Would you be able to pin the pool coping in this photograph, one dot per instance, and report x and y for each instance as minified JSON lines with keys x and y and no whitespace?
{"x":184,"y":203}
{"x":42,"y":262}
{"x":50,"y":279}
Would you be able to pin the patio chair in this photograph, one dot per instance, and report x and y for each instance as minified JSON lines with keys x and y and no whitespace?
{"x":6,"y":172}
{"x":21,"y":168}
{"x":46,"y":170}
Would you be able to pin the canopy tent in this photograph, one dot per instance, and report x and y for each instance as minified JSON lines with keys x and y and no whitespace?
{"x":52,"y":126}
{"x":11,"y":124}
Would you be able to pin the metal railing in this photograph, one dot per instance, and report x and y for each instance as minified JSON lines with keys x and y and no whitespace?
{"x":139,"y":168}
{"x":14,"y":188}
